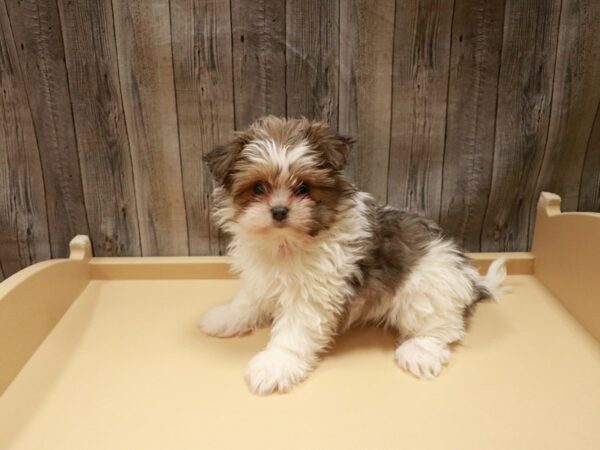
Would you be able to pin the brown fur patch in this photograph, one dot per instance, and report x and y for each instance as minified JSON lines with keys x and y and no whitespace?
{"x":329,"y":146}
{"x":221,"y":159}
{"x":330,"y":203}
{"x":334,"y":148}
{"x":400,"y":240}
{"x":323,"y":140}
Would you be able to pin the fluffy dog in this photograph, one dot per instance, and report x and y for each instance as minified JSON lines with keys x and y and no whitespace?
{"x":316,"y":256}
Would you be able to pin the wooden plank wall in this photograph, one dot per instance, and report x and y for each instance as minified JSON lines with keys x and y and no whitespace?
{"x":463,"y":110}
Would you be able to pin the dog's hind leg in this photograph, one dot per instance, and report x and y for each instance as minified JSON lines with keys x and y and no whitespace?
{"x":428,"y":327}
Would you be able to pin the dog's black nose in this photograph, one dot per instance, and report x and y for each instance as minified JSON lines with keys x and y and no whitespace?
{"x":279,"y":213}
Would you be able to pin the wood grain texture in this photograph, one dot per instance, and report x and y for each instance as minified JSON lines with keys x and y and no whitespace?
{"x":589,"y":191}
{"x":143,"y":39}
{"x":312,"y":59}
{"x":419,"y":99}
{"x":259,"y":52}
{"x":463,"y":110}
{"x":472,"y":94}
{"x":105,"y":160}
{"x":365,"y":104}
{"x":36,"y":29}
{"x":23,"y":221}
{"x":523,"y":113}
{"x":574,"y":102}
{"x":201,"y":34}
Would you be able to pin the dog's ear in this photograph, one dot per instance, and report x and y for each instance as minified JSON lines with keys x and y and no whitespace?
{"x":333,"y":147}
{"x":221,"y":158}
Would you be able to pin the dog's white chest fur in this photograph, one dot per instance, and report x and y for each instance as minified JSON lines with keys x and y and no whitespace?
{"x":292,"y":271}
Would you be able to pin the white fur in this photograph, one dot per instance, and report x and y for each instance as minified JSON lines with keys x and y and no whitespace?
{"x":422,"y":356}
{"x":433,"y":297}
{"x":301,"y":284}
{"x":266,"y":152}
{"x":283,"y":278}
{"x":240,"y":316}
{"x":275,"y":369}
{"x":428,"y":308}
{"x":494,"y":278}
{"x":287,"y":274}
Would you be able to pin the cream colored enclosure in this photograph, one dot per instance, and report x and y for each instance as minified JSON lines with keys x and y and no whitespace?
{"x":104,"y":353}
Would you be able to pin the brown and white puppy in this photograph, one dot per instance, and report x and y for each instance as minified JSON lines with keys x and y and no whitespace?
{"x":316,"y":256}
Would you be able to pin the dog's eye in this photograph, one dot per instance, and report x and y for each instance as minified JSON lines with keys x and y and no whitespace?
{"x":303,"y":189}
{"x":258,"y":189}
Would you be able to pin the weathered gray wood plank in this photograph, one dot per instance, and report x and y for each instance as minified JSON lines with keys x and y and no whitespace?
{"x":472,"y":94}
{"x":419,"y":100}
{"x":366,"y":50}
{"x":524,"y":101}
{"x":204,"y":86}
{"x":259,"y":47}
{"x":312,"y":59}
{"x":589,"y":192}
{"x":105,"y":160}
{"x":23,"y":220}
{"x":576,"y":93}
{"x":143,"y":39}
{"x":37,"y":34}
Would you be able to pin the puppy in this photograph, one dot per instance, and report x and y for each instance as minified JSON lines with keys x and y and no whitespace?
{"x":316,"y":256}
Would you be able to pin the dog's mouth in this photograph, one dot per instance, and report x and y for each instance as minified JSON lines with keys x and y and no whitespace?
{"x":286,"y":230}
{"x":280,"y":224}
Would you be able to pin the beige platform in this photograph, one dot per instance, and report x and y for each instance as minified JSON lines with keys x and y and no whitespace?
{"x":104,"y":353}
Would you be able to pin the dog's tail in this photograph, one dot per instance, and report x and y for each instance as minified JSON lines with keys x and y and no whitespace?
{"x":490,"y":286}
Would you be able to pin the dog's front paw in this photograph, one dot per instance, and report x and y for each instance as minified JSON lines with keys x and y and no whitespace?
{"x":275,"y":370}
{"x":424,"y":357}
{"x":223,"y":321}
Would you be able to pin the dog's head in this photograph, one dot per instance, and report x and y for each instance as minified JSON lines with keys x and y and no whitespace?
{"x":282,"y":177}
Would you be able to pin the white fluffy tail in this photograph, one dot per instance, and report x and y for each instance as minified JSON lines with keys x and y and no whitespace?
{"x":491,"y":284}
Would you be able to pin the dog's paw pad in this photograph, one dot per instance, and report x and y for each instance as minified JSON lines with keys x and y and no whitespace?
{"x":275,"y":370}
{"x":222,"y":322}
{"x":424,"y":357}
